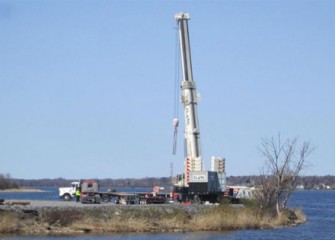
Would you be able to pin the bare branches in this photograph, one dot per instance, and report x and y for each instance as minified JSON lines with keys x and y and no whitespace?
{"x":282,"y":167}
{"x":6,"y":182}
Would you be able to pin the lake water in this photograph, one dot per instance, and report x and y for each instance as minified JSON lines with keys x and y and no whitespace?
{"x":51,"y":193}
{"x":319,"y":206}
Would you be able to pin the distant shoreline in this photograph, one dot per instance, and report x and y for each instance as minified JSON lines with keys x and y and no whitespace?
{"x":21,"y":190}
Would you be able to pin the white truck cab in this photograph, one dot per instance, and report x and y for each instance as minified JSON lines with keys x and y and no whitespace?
{"x":67,"y":193}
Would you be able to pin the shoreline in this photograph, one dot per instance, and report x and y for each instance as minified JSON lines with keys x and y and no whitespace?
{"x":68,"y":218}
{"x":23,"y":189}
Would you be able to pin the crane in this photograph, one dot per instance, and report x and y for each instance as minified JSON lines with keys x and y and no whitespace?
{"x":193,"y":160}
{"x":196,"y":184}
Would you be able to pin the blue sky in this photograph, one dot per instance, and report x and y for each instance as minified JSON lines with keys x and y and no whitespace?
{"x":87,"y":87}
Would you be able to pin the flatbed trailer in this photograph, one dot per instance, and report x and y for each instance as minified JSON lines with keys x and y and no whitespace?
{"x":93,"y":195}
{"x":134,"y":198}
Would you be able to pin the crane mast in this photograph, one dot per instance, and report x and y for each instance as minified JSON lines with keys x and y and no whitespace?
{"x":193,"y":160}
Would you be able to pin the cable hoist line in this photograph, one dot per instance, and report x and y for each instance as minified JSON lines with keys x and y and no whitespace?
{"x":177,"y":75}
{"x":175,"y":120}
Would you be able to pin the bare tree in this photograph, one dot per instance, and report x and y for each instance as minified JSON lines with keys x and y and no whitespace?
{"x":6,"y":182}
{"x":284,"y":161}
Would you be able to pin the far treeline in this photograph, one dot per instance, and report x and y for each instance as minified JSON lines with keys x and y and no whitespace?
{"x":6,"y":182}
{"x":147,"y":182}
{"x":303,"y":182}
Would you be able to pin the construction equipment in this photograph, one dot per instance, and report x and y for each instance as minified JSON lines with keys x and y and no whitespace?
{"x":196,"y":184}
{"x":68,"y":193}
{"x":89,"y":191}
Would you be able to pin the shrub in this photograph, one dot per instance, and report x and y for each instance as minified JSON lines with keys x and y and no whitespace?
{"x":63,"y":217}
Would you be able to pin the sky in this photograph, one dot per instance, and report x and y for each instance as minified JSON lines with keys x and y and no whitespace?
{"x":87,"y":86}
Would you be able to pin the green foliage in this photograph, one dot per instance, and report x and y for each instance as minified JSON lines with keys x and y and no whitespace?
{"x":224,"y":201}
{"x":250,"y":203}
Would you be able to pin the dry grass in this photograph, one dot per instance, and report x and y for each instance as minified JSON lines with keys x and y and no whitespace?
{"x":300,"y":215}
{"x":14,"y":222}
{"x":134,"y":220}
{"x":61,"y":217}
{"x":155,"y":219}
{"x":8,"y":222}
{"x":218,"y":218}
{"x":290,"y":217}
{"x":229,"y":218}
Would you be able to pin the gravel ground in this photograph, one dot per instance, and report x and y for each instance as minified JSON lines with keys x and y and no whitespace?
{"x":39,"y":205}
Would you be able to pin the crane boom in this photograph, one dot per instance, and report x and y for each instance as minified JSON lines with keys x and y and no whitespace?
{"x":193,"y":160}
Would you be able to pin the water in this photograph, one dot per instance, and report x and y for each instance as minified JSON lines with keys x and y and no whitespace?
{"x":46,"y":193}
{"x":51,"y":193}
{"x":319,"y":206}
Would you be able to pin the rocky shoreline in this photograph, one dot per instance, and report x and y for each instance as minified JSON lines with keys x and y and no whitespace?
{"x":58,"y":217}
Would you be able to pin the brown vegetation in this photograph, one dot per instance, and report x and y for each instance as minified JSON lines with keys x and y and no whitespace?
{"x":6,"y":182}
{"x":142,"y":219}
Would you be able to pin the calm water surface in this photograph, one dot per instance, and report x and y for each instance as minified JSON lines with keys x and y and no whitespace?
{"x":319,"y":206}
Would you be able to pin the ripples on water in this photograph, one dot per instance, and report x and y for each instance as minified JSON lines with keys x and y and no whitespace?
{"x":319,"y":206}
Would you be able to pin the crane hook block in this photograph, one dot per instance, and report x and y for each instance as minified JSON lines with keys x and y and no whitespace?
{"x":175,"y":122}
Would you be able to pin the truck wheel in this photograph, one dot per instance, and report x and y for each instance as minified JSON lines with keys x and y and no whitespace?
{"x":105,"y":198}
{"x":97,"y":199}
{"x":196,"y":200}
{"x":67,"y":197}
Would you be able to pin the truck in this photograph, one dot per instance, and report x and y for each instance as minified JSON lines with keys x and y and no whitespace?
{"x":89,"y":191}
{"x":68,"y":193}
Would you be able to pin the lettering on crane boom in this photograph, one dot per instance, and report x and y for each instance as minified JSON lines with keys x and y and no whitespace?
{"x":188,"y":117}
